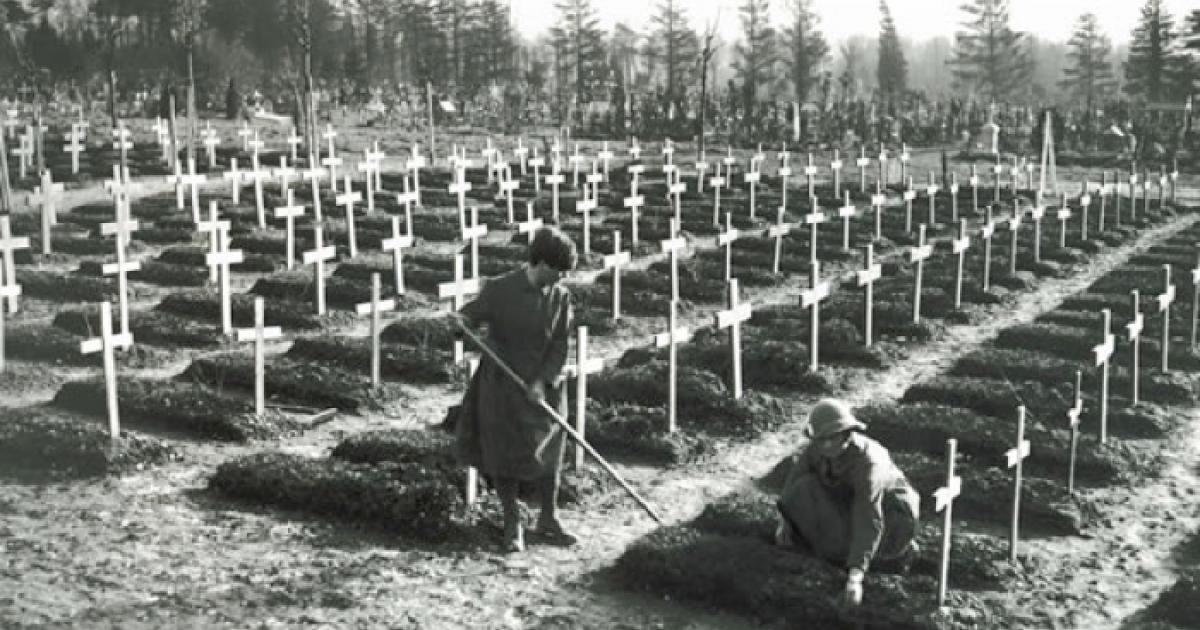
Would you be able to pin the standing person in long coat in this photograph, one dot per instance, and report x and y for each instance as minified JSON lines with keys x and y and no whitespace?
{"x":502,"y":430}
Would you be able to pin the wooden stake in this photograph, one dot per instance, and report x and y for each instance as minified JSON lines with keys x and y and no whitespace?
{"x":1165,"y":299}
{"x":675,"y":335}
{"x":847,"y":212}
{"x":259,"y":336}
{"x":1103,"y":354}
{"x":960,"y":246}
{"x":375,"y":308}
{"x":584,"y":366}
{"x":871,"y":272}
{"x":1134,"y":331}
{"x":1073,"y":417}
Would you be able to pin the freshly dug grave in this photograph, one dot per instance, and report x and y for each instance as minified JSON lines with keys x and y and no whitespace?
{"x":150,"y":327}
{"x":1077,"y":344}
{"x":408,"y":499}
{"x":36,"y":341}
{"x":435,"y":450}
{"x":59,"y":287}
{"x":175,"y":406}
{"x":153,"y":272}
{"x":924,"y":428}
{"x":38,"y":443}
{"x":437,"y":331}
{"x":403,"y":363}
{"x":593,"y":302}
{"x":295,"y":382}
{"x":206,"y":306}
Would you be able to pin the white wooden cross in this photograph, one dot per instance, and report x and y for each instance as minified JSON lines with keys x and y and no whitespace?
{"x":193,"y":181}
{"x":12,"y":122}
{"x":635,"y":151}
{"x":1074,"y":415}
{"x":176,"y":179}
{"x":375,"y":308}
{"x":811,"y":299}
{"x":11,"y":292}
{"x":285,"y":173}
{"x":726,"y":239}
{"x":289,"y":213}
{"x":396,"y":245}
{"x":669,"y":171}
{"x":675,"y":335}
{"x":635,"y":171}
{"x":1037,"y":213}
{"x":555,"y":179}
{"x":415,"y":164}
{"x":244,"y":133}
{"x":47,"y":195}
{"x":1014,"y":227}
{"x":701,"y":169}
{"x":1134,"y":332}
{"x":943,"y":501}
{"x":905,"y":156}
{"x":585,"y":206}
{"x":24,"y":151}
{"x":866,"y":277}
{"x":237,"y":178}
{"x":1016,"y":457}
{"x":211,"y":141}
{"x":810,"y":172}
{"x":634,"y":203}
{"x":531,"y":224}
{"x":294,"y":141}
{"x":878,"y":201}
{"x":668,"y":152}
{"x":8,"y":245}
{"x":457,"y":292}
{"x":258,"y":335}
{"x":1165,"y":299}
{"x":475,"y":232}
{"x":997,"y":171}
{"x":376,"y":157}
{"x":954,"y":197}
{"x":123,"y":144}
{"x":522,"y":153}
{"x":1174,"y":179}
{"x":784,"y":171}
{"x":910,"y":195}
{"x":960,"y":246}
{"x":863,"y":162}
{"x":256,"y":147}
{"x":105,"y":344}
{"x":847,"y":212}
{"x":347,"y":201}
{"x":615,"y":261}
{"x":717,"y":182}
{"x":314,"y":174}
{"x":331,"y":164}
{"x":919,"y":254}
{"x":931,"y":192}
{"x":1104,"y":193}
{"x":813,"y":219}
{"x":122,"y":267}
{"x":1063,"y":215}
{"x":677,"y":189}
{"x":605,"y":156}
{"x":1085,"y":202}
{"x":672,"y":246}
{"x":74,"y":147}
{"x":213,"y":228}
{"x":222,"y":259}
{"x":576,"y":160}
{"x":778,"y":230}
{"x":986,"y":233}
{"x":460,"y":186}
{"x":883,"y":160}
{"x":584,"y":366}
{"x":258,"y":175}
{"x":507,"y":187}
{"x":318,"y":256}
{"x":753,"y":178}
{"x":330,"y":136}
{"x":733,"y":317}
{"x":1103,"y":354}
{"x":536,"y":162}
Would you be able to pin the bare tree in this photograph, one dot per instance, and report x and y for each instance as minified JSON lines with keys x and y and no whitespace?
{"x":706,"y":54}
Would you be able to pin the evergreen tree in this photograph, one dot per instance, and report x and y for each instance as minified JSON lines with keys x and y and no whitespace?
{"x":1149,"y":66}
{"x":580,"y":47}
{"x":756,"y":54}
{"x":1189,"y":58}
{"x":989,"y":55}
{"x":892,"y":68}
{"x":673,"y":46}
{"x":1090,"y":73}
{"x":851,"y":53}
{"x":806,"y":49}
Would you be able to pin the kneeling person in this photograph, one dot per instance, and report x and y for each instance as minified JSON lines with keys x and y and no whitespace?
{"x":845,"y":498}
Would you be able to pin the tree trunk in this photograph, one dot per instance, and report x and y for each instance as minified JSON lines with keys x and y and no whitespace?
{"x":191,"y":105}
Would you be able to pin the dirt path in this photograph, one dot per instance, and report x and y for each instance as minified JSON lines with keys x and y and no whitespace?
{"x":152,"y":550}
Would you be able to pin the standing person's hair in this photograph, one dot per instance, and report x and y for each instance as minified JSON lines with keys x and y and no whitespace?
{"x":551,"y":246}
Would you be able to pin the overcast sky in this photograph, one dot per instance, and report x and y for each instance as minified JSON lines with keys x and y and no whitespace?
{"x":916,"y":19}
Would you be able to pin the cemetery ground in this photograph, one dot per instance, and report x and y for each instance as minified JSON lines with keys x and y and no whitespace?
{"x":163,"y":546}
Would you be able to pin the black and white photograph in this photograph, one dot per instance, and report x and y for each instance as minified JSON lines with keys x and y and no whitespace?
{"x":599,"y":314}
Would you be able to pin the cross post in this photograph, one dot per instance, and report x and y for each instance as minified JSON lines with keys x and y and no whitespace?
{"x":1016,"y":458}
{"x":960,"y":246}
{"x":737,"y":313}
{"x":1103,"y":355}
{"x":870,"y":272}
{"x":944,"y":502}
{"x":258,"y":335}
{"x":376,"y":307}
{"x":811,"y":299}
{"x":105,"y":344}
{"x":675,"y":335}
{"x":919,"y":254}
{"x":347,"y":200}
{"x":1165,"y":299}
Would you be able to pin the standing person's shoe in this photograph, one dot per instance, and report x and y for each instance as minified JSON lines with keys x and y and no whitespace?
{"x":551,"y":532}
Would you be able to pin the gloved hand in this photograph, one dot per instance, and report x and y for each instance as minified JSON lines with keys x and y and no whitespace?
{"x":853,"y":593}
{"x":537,"y":391}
